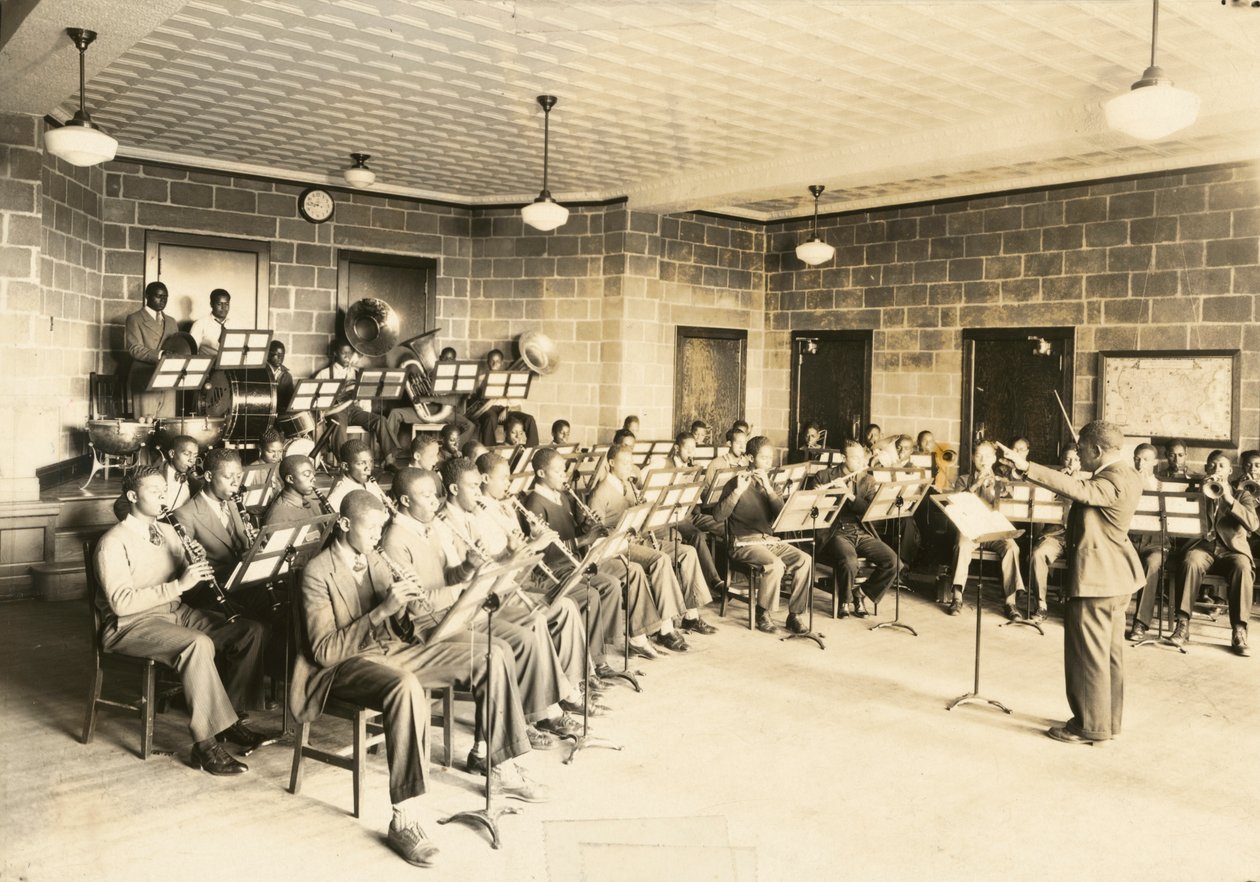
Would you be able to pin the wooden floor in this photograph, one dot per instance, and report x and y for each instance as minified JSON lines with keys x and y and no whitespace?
{"x":830,"y":765}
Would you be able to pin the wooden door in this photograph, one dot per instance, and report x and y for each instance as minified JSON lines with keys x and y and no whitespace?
{"x":710,"y":368}
{"x":407,"y":284}
{"x":831,"y":384}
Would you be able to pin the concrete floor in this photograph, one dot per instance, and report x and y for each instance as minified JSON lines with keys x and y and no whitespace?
{"x":837,"y":764}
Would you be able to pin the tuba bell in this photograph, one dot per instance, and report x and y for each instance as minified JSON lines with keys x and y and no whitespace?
{"x":372,"y":326}
{"x":537,"y":352}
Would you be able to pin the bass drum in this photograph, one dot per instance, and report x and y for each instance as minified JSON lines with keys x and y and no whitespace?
{"x":246,"y":403}
{"x":299,"y":447}
{"x":296,"y":423}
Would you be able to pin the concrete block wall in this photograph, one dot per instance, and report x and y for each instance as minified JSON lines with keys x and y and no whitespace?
{"x":1163,"y":262}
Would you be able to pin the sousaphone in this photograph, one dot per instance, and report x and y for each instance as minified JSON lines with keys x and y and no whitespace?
{"x":373,"y":328}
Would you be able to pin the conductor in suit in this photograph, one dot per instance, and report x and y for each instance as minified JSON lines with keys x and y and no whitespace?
{"x":1104,"y":571}
{"x":146,"y":330}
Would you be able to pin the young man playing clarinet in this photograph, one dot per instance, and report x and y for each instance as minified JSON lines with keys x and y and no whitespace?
{"x":298,"y":501}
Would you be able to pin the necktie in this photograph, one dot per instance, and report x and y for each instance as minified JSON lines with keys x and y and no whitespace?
{"x":155,"y":535}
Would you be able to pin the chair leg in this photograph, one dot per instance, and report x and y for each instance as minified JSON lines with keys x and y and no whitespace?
{"x":448,"y":724}
{"x":89,"y":721}
{"x":146,"y":710}
{"x":360,"y":757}
{"x":302,"y":738}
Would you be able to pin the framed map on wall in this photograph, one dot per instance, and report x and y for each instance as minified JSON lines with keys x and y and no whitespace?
{"x":1190,"y":394}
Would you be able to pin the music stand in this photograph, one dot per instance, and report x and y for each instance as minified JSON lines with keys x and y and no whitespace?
{"x":894,"y":501}
{"x":316,"y":394}
{"x":455,"y":377}
{"x":807,"y":510}
{"x":706,"y":453}
{"x":243,"y":348}
{"x":181,"y":372}
{"x":591,"y":467}
{"x":977,"y":522}
{"x":380,"y":383}
{"x":714,"y":488}
{"x":660,"y":479}
{"x":507,"y":385}
{"x":1031,"y":504}
{"x":481,"y":594}
{"x":521,"y":483}
{"x":1167,"y":513}
{"x":645,"y":451}
{"x":787,"y":479}
{"x":900,"y":474}
{"x":258,"y":484}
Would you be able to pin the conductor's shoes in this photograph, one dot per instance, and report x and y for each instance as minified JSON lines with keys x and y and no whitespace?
{"x":955,"y":607}
{"x":245,"y":738}
{"x":1138,"y":631}
{"x":215,"y":760}
{"x":672,"y":641}
{"x":411,"y":844}
{"x":795,"y":625}
{"x":1240,"y":641}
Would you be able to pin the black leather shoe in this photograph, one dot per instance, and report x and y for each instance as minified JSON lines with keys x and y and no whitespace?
{"x":795,"y":625}
{"x":643,"y":651}
{"x":1181,"y":633}
{"x":765,"y":626}
{"x":843,"y":611}
{"x":604,"y":671}
{"x":672,"y":641}
{"x":1240,"y":641}
{"x":697,"y":626}
{"x":1011,"y":613}
{"x":955,"y":607}
{"x":217,"y":761}
{"x":1138,"y":631}
{"x":245,"y":738}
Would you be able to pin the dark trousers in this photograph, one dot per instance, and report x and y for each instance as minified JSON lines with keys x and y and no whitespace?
{"x":1093,"y":664}
{"x":1151,"y":560}
{"x":1237,"y":568}
{"x":843,"y":550}
{"x":603,"y":618}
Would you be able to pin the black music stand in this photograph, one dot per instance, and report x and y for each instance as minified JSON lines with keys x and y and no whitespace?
{"x":481,"y":593}
{"x":808,"y":510}
{"x":894,"y":501}
{"x":590,"y":467}
{"x":1167,"y":514}
{"x":645,"y":451}
{"x":380,"y":383}
{"x":978,"y":523}
{"x":671,"y":504}
{"x":185,"y":373}
{"x":316,"y":394}
{"x":713,"y":489}
{"x":788,"y":479}
{"x":455,"y":377}
{"x":1031,"y":504}
{"x":258,"y":485}
{"x":706,"y":453}
{"x":506,"y":385}
{"x":243,"y":349}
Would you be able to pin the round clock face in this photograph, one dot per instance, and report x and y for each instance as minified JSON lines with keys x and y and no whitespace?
{"x":315,"y":205}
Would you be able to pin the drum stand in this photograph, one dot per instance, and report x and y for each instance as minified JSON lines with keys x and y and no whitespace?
{"x":974,"y":696}
{"x":487,"y":817}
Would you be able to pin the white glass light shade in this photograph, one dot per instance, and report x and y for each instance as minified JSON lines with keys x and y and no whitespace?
{"x":544,"y":213}
{"x":359,"y":176}
{"x":1152,"y":110}
{"x":815,"y":251}
{"x":80,"y":145}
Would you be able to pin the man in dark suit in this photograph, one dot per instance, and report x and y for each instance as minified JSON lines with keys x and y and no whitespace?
{"x":146,"y":330}
{"x":1104,"y":570}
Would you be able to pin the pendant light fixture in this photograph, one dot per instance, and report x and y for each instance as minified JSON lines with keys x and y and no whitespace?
{"x":815,"y":251}
{"x":359,"y":175}
{"x":1153,"y":108}
{"x":79,"y":141}
{"x":545,"y":213}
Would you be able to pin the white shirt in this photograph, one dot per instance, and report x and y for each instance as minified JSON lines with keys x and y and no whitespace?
{"x":207,"y":331}
{"x":345,"y":484}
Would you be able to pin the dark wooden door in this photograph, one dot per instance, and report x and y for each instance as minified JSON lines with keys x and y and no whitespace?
{"x":407,"y":284}
{"x":710,"y":365}
{"x":1010,"y":376}
{"x":831,"y":385}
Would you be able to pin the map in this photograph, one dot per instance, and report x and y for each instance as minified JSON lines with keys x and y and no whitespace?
{"x":1190,"y":397}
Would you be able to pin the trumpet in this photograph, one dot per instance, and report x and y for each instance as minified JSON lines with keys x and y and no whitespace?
{"x":325,"y":506}
{"x":1214,"y":488}
{"x":586,"y":511}
{"x":421,"y":594}
{"x":195,"y":554}
{"x":537,"y":527}
{"x":1252,"y":487}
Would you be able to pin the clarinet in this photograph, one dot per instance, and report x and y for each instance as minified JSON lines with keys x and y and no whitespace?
{"x":586,"y":511}
{"x":537,"y":527}
{"x":389,"y":503}
{"x":324,"y":506}
{"x":402,"y":575}
{"x":520,"y":537}
{"x":251,"y":536}
{"x":638,"y":500}
{"x":194,"y":554}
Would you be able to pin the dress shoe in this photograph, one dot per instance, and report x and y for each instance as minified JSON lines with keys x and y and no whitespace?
{"x":1062,"y":733}
{"x":795,"y":625}
{"x":215,"y":760}
{"x":765,"y":626}
{"x":1039,"y":617}
{"x":672,"y":641}
{"x":1138,"y":631}
{"x":590,"y":708}
{"x":1011,"y":613}
{"x":697,"y":626}
{"x":1181,"y":634}
{"x":540,"y":740}
{"x":1240,"y":641}
{"x":843,"y":611}
{"x":563,"y":726}
{"x":955,"y":607}
{"x":643,"y":651}
{"x":509,"y":781}
{"x":859,"y":609}
{"x":406,"y":838}
{"x":245,"y":738}
{"x":605,"y":673}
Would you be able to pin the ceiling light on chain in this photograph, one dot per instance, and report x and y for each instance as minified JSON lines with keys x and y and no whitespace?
{"x":359,"y":175}
{"x":545,"y":213}
{"x":815,"y":251}
{"x":1153,"y":108}
{"x":79,"y":141}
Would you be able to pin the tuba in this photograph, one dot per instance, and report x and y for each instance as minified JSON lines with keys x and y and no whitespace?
{"x":537,"y":352}
{"x":373,"y":328}
{"x":419,"y":385}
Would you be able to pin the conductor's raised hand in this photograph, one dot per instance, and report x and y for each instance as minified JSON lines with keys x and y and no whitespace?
{"x":1019,"y":461}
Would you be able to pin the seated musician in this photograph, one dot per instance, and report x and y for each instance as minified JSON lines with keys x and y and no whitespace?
{"x":1021,"y":446}
{"x":1249,"y":464}
{"x":1222,"y":550}
{"x":619,"y":491}
{"x":559,"y":666}
{"x":905,"y":450}
{"x":425,"y":451}
{"x":1176,"y":463}
{"x":471,"y":450}
{"x":813,"y":437}
{"x":684,"y":452}
{"x":552,"y":503}
{"x":925,"y":443}
{"x":280,"y":376}
{"x":214,"y":520}
{"x":604,"y":620}
{"x":143,"y":575}
{"x":560,"y":430}
{"x":1149,"y":547}
{"x":736,"y":457}
{"x":1051,"y":544}
{"x":691,"y":532}
{"x":850,"y":539}
{"x":383,"y":430}
{"x":299,"y":500}
{"x":354,"y":608}
{"x":988,"y":486}
{"x":630,"y":424}
{"x":181,"y":483}
{"x":872,"y":435}
{"x":700,"y":432}
{"x":515,"y":431}
{"x":750,"y":503}
{"x":357,"y":466}
{"x":271,"y":447}
{"x":624,"y":437}
{"x":448,"y":438}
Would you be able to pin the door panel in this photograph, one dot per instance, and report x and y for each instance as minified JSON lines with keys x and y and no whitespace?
{"x":406,"y":284}
{"x":709,"y":376}
{"x":192,"y":266}
{"x":830,"y":383}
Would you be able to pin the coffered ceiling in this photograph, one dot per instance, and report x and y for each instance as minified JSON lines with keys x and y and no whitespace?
{"x":733,"y":106}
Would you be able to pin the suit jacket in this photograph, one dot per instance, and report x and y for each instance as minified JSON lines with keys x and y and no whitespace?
{"x":1101,"y":559}
{"x":337,"y":628}
{"x":143,"y":337}
{"x":202,"y":523}
{"x":1231,"y":523}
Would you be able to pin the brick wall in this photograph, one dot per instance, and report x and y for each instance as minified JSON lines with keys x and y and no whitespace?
{"x":1160,"y":262}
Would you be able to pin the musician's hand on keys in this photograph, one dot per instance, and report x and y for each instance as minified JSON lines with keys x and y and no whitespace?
{"x":742,"y":481}
{"x":196,"y":573}
{"x":400,"y":593}
{"x":1016,"y":459}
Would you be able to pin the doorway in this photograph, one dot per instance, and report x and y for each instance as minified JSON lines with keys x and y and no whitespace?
{"x":1010,"y":377}
{"x":831,"y":384}
{"x":710,"y":365}
{"x":407,"y":284}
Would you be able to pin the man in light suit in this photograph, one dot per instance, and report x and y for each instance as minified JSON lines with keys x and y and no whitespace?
{"x":146,"y":330}
{"x":1104,"y":570}
{"x":212,"y":518}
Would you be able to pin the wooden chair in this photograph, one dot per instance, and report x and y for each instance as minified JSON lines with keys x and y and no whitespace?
{"x":145,"y":670}
{"x":751,"y":573}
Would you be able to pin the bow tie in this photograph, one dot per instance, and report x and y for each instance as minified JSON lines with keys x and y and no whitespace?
{"x":360,"y":563}
{"x":155,"y":535}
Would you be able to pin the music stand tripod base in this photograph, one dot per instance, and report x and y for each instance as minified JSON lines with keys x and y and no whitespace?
{"x":488,"y":818}
{"x":973,"y":698}
{"x":1161,"y":640}
{"x":806,"y":635}
{"x":1029,"y":622}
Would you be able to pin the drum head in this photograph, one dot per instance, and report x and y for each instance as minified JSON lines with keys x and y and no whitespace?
{"x":296,"y":423}
{"x":299,"y":447}
{"x":252,"y":409}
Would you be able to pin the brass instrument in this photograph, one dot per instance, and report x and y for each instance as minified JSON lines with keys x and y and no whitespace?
{"x":419,"y":384}
{"x":372,"y":326}
{"x":1252,"y":487}
{"x":586,"y":511}
{"x":538,"y":353}
{"x":421,"y":595}
{"x":196,"y":554}
{"x":1213,"y":488}
{"x":536,"y":526}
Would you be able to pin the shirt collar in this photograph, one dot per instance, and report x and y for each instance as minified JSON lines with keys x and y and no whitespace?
{"x":552,"y":496}
{"x":346,"y":554}
{"x":137,"y":526}
{"x":152,"y":312}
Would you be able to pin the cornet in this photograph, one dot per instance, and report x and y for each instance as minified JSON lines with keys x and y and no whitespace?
{"x":1214,"y":488}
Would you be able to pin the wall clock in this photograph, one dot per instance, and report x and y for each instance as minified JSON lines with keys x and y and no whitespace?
{"x":316,"y":205}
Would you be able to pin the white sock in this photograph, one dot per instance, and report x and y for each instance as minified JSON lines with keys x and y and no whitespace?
{"x":667,"y":626}
{"x":640,"y":640}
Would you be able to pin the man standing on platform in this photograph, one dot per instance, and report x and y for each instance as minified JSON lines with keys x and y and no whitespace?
{"x":1104,"y":570}
{"x":208,"y":330}
{"x":146,"y":331}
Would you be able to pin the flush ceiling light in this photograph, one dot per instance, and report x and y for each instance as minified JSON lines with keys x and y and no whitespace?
{"x":815,"y":251}
{"x":79,"y":141}
{"x":1153,"y":108}
{"x":545,"y":213}
{"x":359,"y":175}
